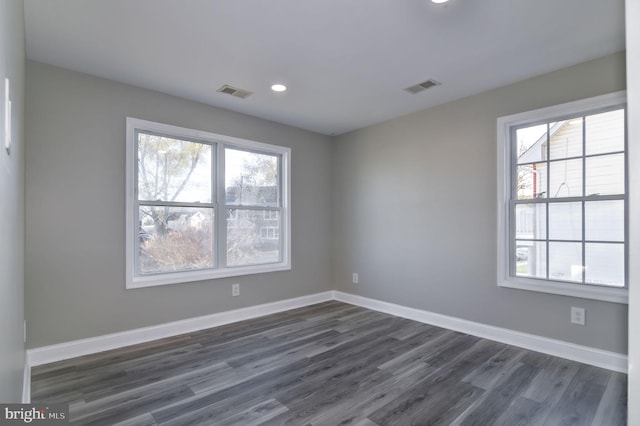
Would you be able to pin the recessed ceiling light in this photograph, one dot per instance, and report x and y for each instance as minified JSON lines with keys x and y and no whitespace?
{"x":278,"y":87}
{"x":439,"y":1}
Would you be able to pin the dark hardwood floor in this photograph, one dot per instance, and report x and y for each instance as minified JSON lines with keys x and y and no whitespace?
{"x":330,"y":364}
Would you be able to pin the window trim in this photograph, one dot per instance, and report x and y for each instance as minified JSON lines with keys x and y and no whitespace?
{"x":219,"y":142}
{"x":504,"y":125}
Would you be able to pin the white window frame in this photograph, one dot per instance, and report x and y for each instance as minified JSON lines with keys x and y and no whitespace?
{"x":133,"y":280}
{"x":504,"y":125}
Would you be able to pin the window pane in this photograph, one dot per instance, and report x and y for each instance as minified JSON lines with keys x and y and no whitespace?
{"x":565,"y":221}
{"x":253,"y":237}
{"x":531,"y":144}
{"x":532,"y":181}
{"x":565,"y":179}
{"x":604,"y":220}
{"x":531,"y":221}
{"x":605,"y":175}
{"x":565,"y":261}
{"x":172,"y":239}
{"x":251,"y":178}
{"x":531,"y":259}
{"x":173,"y":170}
{"x":605,"y":264}
{"x":566,"y":139}
{"x":605,"y":132}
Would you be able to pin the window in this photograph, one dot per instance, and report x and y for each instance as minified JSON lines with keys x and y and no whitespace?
{"x":203,"y":206}
{"x":562,"y":199}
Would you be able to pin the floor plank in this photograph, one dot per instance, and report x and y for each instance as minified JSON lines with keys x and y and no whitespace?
{"x":330,"y":364}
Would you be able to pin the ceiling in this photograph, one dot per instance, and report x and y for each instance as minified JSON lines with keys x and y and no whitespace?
{"x":345,"y":62}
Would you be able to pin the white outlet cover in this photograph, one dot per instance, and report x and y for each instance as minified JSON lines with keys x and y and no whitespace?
{"x":577,"y":315}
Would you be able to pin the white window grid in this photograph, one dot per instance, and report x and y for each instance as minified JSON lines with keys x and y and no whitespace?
{"x":505,"y":227}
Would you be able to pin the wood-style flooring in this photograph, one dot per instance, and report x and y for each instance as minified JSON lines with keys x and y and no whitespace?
{"x":330,"y":364}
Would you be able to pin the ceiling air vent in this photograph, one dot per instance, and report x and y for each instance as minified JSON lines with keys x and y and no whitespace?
{"x":234,"y":91}
{"x":417,"y":88}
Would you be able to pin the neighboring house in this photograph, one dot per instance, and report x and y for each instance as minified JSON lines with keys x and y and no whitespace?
{"x":188,"y":219}
{"x":267,"y":221}
{"x":250,"y":195}
{"x":556,"y":171}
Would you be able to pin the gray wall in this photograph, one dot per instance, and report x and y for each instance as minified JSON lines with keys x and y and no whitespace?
{"x":12,"y":205}
{"x":414,"y":211}
{"x":76,"y":210}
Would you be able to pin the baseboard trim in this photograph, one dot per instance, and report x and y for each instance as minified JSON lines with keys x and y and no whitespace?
{"x":26,"y":380}
{"x":62,"y":351}
{"x":584,"y":354}
{"x":587,"y":355}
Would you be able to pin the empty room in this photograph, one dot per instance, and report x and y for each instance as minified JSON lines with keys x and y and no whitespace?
{"x":361,"y":212}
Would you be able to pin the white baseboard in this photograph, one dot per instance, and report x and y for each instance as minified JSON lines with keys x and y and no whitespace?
{"x":596,"y":357}
{"x":584,"y":354}
{"x":26,"y":380}
{"x":61,"y":351}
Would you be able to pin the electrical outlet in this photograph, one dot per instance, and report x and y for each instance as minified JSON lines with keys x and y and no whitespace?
{"x":577,"y":316}
{"x":235,"y":289}
{"x":355,"y":278}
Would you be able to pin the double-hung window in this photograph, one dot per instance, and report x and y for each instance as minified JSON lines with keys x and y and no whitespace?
{"x":203,"y":206}
{"x":562,"y":199}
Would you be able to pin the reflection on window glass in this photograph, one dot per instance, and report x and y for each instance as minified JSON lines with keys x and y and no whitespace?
{"x":173,"y":170}
{"x":251,"y":178}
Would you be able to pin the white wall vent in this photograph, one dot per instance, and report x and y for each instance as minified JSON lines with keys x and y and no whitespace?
{"x":417,"y":88}
{"x":234,"y":91}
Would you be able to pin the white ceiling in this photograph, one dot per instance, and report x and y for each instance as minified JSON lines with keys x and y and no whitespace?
{"x":346,"y":62}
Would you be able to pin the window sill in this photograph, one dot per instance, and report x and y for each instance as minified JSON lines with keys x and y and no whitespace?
{"x":615,"y":295}
{"x":191,"y":276}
